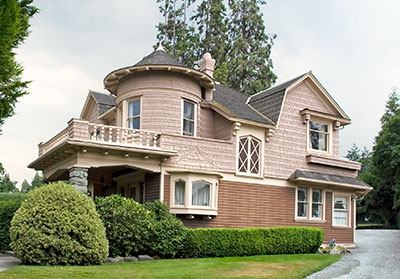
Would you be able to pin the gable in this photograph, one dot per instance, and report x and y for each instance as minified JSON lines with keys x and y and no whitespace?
{"x":90,"y":109}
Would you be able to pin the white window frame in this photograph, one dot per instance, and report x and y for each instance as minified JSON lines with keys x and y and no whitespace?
{"x":136,"y":116}
{"x":173,"y":197}
{"x":349,"y":210}
{"x":329,"y":136}
{"x":194,"y":117}
{"x":260,"y":156}
{"x":309,"y":205}
{"x":188,"y":207}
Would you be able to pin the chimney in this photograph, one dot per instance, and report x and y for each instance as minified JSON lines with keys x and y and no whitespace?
{"x":207,"y":66}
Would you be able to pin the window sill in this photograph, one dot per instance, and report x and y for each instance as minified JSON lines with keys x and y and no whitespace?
{"x":341,"y":227}
{"x":310,"y":221}
{"x":194,"y":211}
{"x":249,"y":175}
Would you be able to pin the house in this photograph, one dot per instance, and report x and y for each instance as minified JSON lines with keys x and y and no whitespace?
{"x":217,"y":157}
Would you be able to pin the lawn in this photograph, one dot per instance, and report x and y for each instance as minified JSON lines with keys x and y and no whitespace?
{"x":267,"y":266}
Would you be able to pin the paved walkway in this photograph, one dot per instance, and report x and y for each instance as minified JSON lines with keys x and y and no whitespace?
{"x":7,"y":261}
{"x":377,"y":256}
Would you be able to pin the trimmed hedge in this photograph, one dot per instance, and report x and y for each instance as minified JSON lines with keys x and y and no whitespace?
{"x":56,"y":225}
{"x":9,"y":203}
{"x":231,"y":242}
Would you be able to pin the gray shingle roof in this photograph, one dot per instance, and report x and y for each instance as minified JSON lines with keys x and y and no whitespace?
{"x":325,"y":177}
{"x":269,"y":102}
{"x":235,"y":103}
{"x":159,"y":57}
{"x":104,"y":101}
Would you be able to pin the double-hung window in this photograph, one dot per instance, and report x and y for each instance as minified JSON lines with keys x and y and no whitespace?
{"x":310,"y":203}
{"x":249,"y":155}
{"x":341,"y":211}
{"x":188,"y":118}
{"x":319,"y":136}
{"x":134,"y":114}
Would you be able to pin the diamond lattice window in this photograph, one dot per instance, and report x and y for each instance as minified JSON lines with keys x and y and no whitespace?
{"x":249,"y":155}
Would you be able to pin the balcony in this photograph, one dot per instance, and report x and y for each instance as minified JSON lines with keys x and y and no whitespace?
{"x":80,"y":131}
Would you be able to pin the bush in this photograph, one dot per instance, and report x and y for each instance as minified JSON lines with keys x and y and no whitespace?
{"x":56,"y":225}
{"x":128,"y":225}
{"x":230,"y":242}
{"x":168,"y":233}
{"x":9,"y":203}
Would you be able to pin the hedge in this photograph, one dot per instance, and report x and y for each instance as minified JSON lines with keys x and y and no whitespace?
{"x":9,"y":203}
{"x":57,"y":225}
{"x":231,"y":242}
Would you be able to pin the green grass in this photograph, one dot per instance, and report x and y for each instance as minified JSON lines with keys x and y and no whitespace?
{"x":267,"y":266}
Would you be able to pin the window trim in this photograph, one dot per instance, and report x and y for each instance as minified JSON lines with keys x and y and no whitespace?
{"x":124,"y":111}
{"x":349,"y":210}
{"x":309,"y":217}
{"x":191,"y":194}
{"x":174,"y":189}
{"x":194,"y":117}
{"x":260,"y":155}
{"x":329,"y":136}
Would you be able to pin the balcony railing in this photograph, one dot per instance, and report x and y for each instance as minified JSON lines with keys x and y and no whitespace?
{"x":112,"y":135}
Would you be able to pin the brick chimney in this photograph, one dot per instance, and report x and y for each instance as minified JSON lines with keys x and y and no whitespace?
{"x":207,"y":66}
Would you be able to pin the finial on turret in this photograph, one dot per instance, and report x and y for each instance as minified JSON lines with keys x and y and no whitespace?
{"x":160,"y":47}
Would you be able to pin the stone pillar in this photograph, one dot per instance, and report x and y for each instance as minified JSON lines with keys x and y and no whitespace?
{"x":79,"y":178}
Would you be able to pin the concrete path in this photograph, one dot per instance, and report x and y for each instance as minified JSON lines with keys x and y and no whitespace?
{"x":7,"y":261}
{"x":377,"y":256}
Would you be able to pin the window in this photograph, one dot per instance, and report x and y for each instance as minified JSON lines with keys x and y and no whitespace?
{"x":249,"y":155}
{"x":134,"y":114}
{"x":188,"y":118}
{"x":302,"y":202}
{"x":319,"y":136}
{"x":200,"y":193}
{"x":180,"y":189}
{"x":310,"y":208}
{"x":341,"y":211}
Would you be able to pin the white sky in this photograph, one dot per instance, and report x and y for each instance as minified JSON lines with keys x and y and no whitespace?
{"x":352,"y":47}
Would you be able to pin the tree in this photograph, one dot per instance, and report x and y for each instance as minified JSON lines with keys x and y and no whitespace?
{"x":361,"y":156}
{"x":250,"y":65}
{"x":392,"y":106}
{"x":14,"y":25}
{"x":6,"y":185}
{"x":37,"y":181}
{"x":236,"y":38}
{"x":25,"y":187}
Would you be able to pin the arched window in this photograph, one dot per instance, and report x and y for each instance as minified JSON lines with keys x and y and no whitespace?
{"x":249,"y":155}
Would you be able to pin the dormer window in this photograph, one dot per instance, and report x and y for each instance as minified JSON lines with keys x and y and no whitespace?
{"x":134,"y":114}
{"x":319,"y":136}
{"x":188,"y":118}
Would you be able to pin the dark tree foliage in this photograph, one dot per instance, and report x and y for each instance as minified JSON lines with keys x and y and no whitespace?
{"x":381,"y":169}
{"x":235,"y":37}
{"x":6,"y":185}
{"x":14,"y":28}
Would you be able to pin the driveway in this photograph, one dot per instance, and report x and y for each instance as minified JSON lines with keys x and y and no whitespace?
{"x":7,"y":261}
{"x":377,"y":256}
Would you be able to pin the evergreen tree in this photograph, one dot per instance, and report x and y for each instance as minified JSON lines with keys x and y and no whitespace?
{"x":212,"y":26}
{"x":14,"y":25}
{"x":37,"y":181}
{"x":392,"y":106}
{"x":6,"y":185}
{"x":25,"y":187}
{"x":250,"y":65}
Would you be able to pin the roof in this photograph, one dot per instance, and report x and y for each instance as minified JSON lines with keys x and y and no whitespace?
{"x":105,"y":101}
{"x":269,"y":102}
{"x":159,"y":57}
{"x":235,"y":104}
{"x":330,"y":178}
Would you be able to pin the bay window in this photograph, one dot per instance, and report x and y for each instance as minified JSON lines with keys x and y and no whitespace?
{"x":310,"y":203}
{"x":318,"y":136}
{"x":201,"y":193}
{"x":249,"y":155}
{"x":180,"y":192}
{"x":341,"y":211}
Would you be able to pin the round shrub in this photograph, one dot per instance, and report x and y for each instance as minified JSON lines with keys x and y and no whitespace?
{"x":128,"y":225}
{"x":56,"y":225}
{"x":168,"y":233}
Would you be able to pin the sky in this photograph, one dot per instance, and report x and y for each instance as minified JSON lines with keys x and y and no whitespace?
{"x":352,"y":47}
